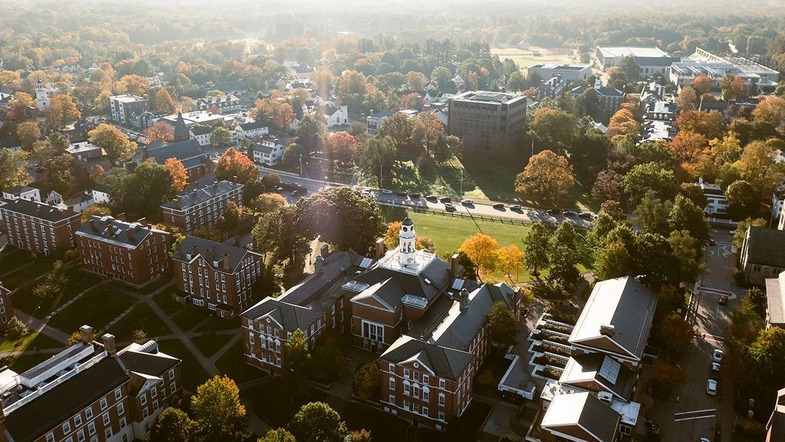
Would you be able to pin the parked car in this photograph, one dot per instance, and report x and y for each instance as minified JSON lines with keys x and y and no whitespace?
{"x":570,"y":213}
{"x":553,"y":211}
{"x":498,"y":206}
{"x":586,"y":215}
{"x":652,"y":427}
{"x":705,"y":439}
{"x":432,"y":197}
{"x":387,"y":191}
{"x":723,"y":300}
{"x":717,"y":355}
{"x":467,"y":202}
{"x":401,"y":193}
{"x":712,"y":242}
{"x":445,"y":199}
{"x":711,"y":387}
{"x":449,"y":207}
{"x":414,"y":195}
{"x":515,"y":207}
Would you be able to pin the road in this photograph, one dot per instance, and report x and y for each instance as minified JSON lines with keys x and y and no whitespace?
{"x":690,"y":413}
{"x":525,"y":215}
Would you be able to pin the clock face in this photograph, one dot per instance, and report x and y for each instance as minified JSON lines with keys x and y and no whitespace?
{"x":416,"y":365}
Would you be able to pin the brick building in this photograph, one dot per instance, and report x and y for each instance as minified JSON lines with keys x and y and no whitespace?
{"x":216,"y":276}
{"x":202,"y":207}
{"x":6,"y":306}
{"x":127,"y":109}
{"x":427,"y":322}
{"x":39,"y":227}
{"x":130,"y":252}
{"x":89,"y":391}
{"x":487,"y":121}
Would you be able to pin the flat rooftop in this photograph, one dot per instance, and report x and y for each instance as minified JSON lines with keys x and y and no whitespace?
{"x":488,"y":97}
{"x":564,"y":67}
{"x":637,"y":51}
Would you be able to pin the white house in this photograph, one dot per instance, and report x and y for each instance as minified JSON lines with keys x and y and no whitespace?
{"x":202,"y":134}
{"x":716,"y":201}
{"x":101,"y":194}
{"x":336,"y":116}
{"x":267,"y":152}
{"x":250,"y":130}
{"x":374,"y":121}
{"x":22,"y":193}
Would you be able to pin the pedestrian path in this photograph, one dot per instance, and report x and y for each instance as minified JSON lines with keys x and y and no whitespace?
{"x":37,"y":325}
{"x":74,"y":299}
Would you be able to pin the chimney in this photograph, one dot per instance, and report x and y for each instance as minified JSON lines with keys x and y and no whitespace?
{"x":380,"y":248}
{"x":208,"y":255}
{"x":607,"y":330}
{"x":109,"y":344}
{"x":176,"y":203}
{"x":227,"y":265}
{"x":194,"y":252}
{"x":86,"y":334}
{"x":234,"y":178}
{"x":318,"y":265}
{"x":454,"y":266}
{"x":463,"y":298}
{"x":129,"y":234}
{"x":121,"y":216}
{"x":324,"y":250}
{"x":145,"y":154}
{"x":92,"y":225}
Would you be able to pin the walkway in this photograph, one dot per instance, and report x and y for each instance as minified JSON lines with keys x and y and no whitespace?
{"x":37,"y":325}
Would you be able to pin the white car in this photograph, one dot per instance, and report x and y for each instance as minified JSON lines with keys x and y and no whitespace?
{"x":717,"y":355}
{"x":467,"y":202}
{"x":711,"y":387}
{"x":387,"y":192}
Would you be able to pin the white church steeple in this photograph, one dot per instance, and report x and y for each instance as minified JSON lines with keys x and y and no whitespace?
{"x":41,"y":96}
{"x":406,"y":243}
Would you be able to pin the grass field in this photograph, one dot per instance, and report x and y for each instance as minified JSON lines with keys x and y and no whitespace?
{"x":233,"y":365}
{"x":208,"y":344}
{"x":191,"y":371}
{"x":33,"y":341}
{"x":96,"y":308}
{"x":141,"y":317}
{"x":525,"y":57}
{"x":25,"y":300}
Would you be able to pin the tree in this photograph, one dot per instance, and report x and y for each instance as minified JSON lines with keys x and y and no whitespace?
{"x":278,"y":435}
{"x":160,"y":131}
{"x":416,"y":81}
{"x":361,"y":435}
{"x":235,"y":166}
{"x":178,"y":173}
{"x":564,"y":255}
{"x":138,"y":335}
{"x":701,"y":84}
{"x":296,"y":360}
{"x":310,"y":134}
{"x":546,"y":178}
{"x":28,"y":133}
{"x":607,"y":186}
{"x":732,"y":87}
{"x":271,"y":181}
{"x":391,"y":238}
{"x":481,"y":249}
{"x":267,"y":202}
{"x":687,"y":99}
{"x":144,"y":190}
{"x":173,"y":425}
{"x":61,"y":109}
{"x":516,"y":82}
{"x":629,"y":67}
{"x":342,"y":147}
{"x":282,"y":233}
{"x":536,"y":245}
{"x":742,"y":226}
{"x":665,"y":377}
{"x":554,"y":127}
{"x":13,"y":169}
{"x":116,"y":144}
{"x":743,"y":200}
{"x":649,"y":177}
{"x":757,"y":298}
{"x":427,"y":131}
{"x":317,"y":422}
{"x":344,"y":218}
{"x":651,"y":214}
{"x":328,"y":362}
{"x":366,"y":380}
{"x":613,"y":261}
{"x":277,"y":112}
{"x":164,"y":102}
{"x":675,"y":334}
{"x":502,"y":324}
{"x":685,"y":215}
{"x":399,"y":129}
{"x":379,"y":155}
{"x":510,"y":258}
{"x":771,"y":110}
{"x":758,"y":166}
{"x":441,"y":77}
{"x":622,"y":123}
{"x":768,"y":351}
{"x":685,"y":255}
{"x":217,"y":410}
{"x":16,"y":329}
{"x":220,"y":136}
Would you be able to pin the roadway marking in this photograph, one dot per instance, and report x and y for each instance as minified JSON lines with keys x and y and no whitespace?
{"x":696,"y":414}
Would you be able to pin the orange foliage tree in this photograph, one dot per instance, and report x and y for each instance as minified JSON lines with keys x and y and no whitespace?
{"x":234,"y":164}
{"x":178,"y":173}
{"x":160,"y":131}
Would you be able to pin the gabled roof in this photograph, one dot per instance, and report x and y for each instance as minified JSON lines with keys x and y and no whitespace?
{"x":194,"y":197}
{"x":289,"y":317}
{"x":583,"y":416}
{"x":201,"y":130}
{"x":150,"y":364}
{"x":766,"y":247}
{"x":183,"y":151}
{"x":106,"y":228}
{"x":212,"y":251}
{"x":598,"y":369}
{"x":443,"y":362}
{"x":254,"y":125}
{"x":38,"y":209}
{"x":623,"y":305}
{"x":775,"y":300}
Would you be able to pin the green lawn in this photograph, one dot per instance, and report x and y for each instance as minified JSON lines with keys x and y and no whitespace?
{"x":96,"y":308}
{"x":11,"y":258}
{"x":210,"y":343}
{"x":25,"y":300}
{"x":189,"y":316}
{"x":217,"y":324}
{"x":233,"y":365}
{"x":167,"y":304}
{"x":192,"y":372}
{"x":141,"y":317}
{"x":27,"y":275}
{"x":33,"y":341}
{"x":150,"y":288}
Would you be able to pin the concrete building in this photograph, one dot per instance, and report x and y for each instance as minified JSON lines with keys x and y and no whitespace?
{"x":487,"y":122}
{"x":218,"y":277}
{"x":567,"y":72}
{"x":90,"y":391}
{"x":650,"y":60}
{"x":128,"y":109}
{"x":129,"y":252}
{"x":201,"y":207}
{"x":703,"y":62}
{"x":39,"y":227}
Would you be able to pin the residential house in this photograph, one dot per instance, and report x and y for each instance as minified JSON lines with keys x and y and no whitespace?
{"x":775,"y":301}
{"x":90,"y":391}
{"x":201,"y":207}
{"x":775,"y":427}
{"x":22,"y":193}
{"x":101,"y":194}
{"x":11,"y":142}
{"x":336,"y":116}
{"x":650,"y":60}
{"x":6,"y":306}
{"x":374,"y":121}
{"x":127,"y":109}
{"x":193,"y":156}
{"x":251,"y":130}
{"x":716,"y":201}
{"x":487,"y":121}
{"x":43,"y":95}
{"x":762,"y":254}
{"x":129,"y":252}
{"x":202,"y":134}
{"x":85,"y":151}
{"x":216,"y":276}
{"x":220,"y":104}
{"x":39,"y":227}
{"x":267,"y":152}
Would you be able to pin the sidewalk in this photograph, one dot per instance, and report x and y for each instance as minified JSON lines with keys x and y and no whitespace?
{"x":37,"y":325}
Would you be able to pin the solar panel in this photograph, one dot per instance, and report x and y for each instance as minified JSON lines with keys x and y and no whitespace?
{"x":610,"y":369}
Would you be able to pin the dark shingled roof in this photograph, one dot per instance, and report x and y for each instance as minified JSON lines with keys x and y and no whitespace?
{"x":180,"y":128}
{"x":34,"y":419}
{"x":189,"y":152}
{"x":38,"y":210}
{"x":152,"y":364}
{"x":444,"y":362}
{"x":110,"y":229}
{"x":197,"y":196}
{"x":290,"y":317}
{"x":766,"y":247}
{"x":217,"y":249}
{"x":253,"y":125}
{"x":396,"y":284}
{"x":201,"y":130}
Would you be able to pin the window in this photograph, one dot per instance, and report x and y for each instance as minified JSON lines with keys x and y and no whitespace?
{"x":392,"y":368}
{"x":80,"y":436}
{"x":406,"y":388}
{"x":425,"y":411}
{"x":145,"y":413}
{"x":441,"y":415}
{"x":91,"y":428}
{"x":103,"y":403}
{"x":416,"y":376}
{"x":171,"y":374}
{"x":442,"y":383}
{"x":108,"y":433}
{"x":88,"y":412}
{"x":391,"y":399}
{"x":50,"y":437}
{"x":123,"y":423}
{"x":78,"y":420}
{"x":426,"y":394}
{"x":406,"y":373}
{"x":441,"y":399}
{"x":118,"y":394}
{"x":120,"y":408}
{"x":155,"y":405}
{"x":154,"y":392}
{"x":405,"y":404}
{"x":373,"y":331}
{"x":69,"y":439}
{"x":106,"y":418}
{"x":143,"y":399}
{"x":425,"y":379}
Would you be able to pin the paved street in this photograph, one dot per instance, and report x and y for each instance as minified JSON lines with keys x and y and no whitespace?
{"x":690,"y":413}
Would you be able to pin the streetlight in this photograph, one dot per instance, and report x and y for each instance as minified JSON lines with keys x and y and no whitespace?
{"x":461,"y":184}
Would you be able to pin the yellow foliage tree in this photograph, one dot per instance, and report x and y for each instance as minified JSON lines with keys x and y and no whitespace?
{"x":547,"y":178}
{"x":481,"y":249}
{"x":510,"y":258}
